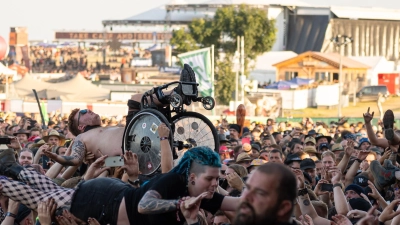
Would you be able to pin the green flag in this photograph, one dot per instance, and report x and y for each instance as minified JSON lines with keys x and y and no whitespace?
{"x":45,"y":115}
{"x":200,"y":61}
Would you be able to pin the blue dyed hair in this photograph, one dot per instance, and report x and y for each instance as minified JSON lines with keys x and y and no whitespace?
{"x":202,"y":155}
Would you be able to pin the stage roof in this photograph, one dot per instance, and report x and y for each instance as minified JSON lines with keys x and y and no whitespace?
{"x":182,"y":12}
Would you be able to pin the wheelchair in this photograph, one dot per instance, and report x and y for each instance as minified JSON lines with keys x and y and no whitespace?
{"x":188,"y":129}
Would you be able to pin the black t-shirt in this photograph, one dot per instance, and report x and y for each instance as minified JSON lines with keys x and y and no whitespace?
{"x":170,"y":186}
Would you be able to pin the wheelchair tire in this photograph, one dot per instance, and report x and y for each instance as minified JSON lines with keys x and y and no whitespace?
{"x":141,"y":137}
{"x":198,"y":127}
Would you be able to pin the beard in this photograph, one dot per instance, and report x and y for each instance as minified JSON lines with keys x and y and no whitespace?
{"x":268,"y":217}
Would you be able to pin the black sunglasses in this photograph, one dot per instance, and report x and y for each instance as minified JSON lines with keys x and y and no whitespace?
{"x":83,"y":111}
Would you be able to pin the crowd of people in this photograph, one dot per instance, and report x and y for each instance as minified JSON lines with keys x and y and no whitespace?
{"x":74,"y":59}
{"x":273,"y":173}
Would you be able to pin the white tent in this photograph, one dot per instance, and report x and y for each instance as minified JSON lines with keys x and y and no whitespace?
{"x":80,"y":88}
{"x":24,"y":86}
{"x":77,"y":88}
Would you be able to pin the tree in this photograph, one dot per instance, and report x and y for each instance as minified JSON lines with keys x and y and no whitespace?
{"x":221,"y":31}
{"x":184,"y":41}
{"x":224,"y":81}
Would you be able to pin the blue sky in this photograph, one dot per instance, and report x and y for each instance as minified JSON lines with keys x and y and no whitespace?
{"x":43,"y":17}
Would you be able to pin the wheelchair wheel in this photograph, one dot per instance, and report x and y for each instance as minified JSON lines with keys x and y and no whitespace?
{"x":141,"y":137}
{"x":196,"y":129}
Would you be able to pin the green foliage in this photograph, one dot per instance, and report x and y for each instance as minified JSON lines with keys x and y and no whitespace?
{"x":224,"y":81}
{"x":184,"y":41}
{"x":222,"y":31}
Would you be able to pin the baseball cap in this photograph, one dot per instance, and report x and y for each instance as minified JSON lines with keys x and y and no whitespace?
{"x":337,"y":147}
{"x":361,"y":180}
{"x":362,"y":140}
{"x":292,"y":158}
{"x":324,"y":145}
{"x":310,"y":139}
{"x":307,"y":164}
{"x":311,"y":132}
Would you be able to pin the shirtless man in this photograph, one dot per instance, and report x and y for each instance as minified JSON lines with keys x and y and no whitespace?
{"x":91,"y":137}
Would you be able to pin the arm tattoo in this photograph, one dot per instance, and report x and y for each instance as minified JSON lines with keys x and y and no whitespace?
{"x":78,"y":153}
{"x":306,"y":202}
{"x":152,"y":203}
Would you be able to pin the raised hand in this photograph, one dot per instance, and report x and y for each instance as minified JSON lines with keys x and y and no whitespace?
{"x":190,"y":207}
{"x":356,"y":214}
{"x":131,"y":164}
{"x":317,"y":189}
{"x":336,"y":174}
{"x":46,"y":210}
{"x":341,"y":220}
{"x":306,"y":220}
{"x":362,"y":155}
{"x":300,"y":178}
{"x":388,"y":213}
{"x":349,"y":150}
{"x":369,"y":219}
{"x":163,"y":130}
{"x":235,"y":181}
{"x":368,"y":117}
{"x":96,"y":168}
{"x":192,"y":201}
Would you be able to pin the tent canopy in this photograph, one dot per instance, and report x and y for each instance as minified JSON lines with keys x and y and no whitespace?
{"x":301,"y":81}
{"x":80,"y":88}
{"x":282,"y":85}
{"x":77,"y":88}
{"x":24,"y":86}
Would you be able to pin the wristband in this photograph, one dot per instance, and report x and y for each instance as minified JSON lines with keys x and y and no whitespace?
{"x":359,"y":160}
{"x":337,"y":185}
{"x":163,"y":138}
{"x":302,"y":192}
{"x":11,"y":215}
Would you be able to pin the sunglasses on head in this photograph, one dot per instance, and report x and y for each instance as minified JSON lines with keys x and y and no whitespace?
{"x":82,"y":111}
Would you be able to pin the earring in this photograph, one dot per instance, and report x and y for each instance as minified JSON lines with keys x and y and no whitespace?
{"x":193,"y":183}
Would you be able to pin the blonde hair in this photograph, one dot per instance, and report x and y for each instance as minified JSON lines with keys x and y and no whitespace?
{"x":329,"y":153}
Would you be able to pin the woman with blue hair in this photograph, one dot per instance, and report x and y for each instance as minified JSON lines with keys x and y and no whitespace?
{"x":169,"y":198}
{"x":195,"y":176}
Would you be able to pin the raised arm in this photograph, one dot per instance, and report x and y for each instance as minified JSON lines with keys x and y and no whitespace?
{"x":76,"y":158}
{"x":338,"y":195}
{"x":304,"y":201}
{"x":167,"y":161}
{"x":381,"y":142}
{"x":346,"y":158}
{"x":152,"y":203}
